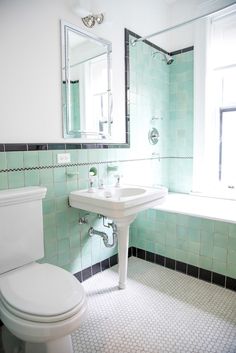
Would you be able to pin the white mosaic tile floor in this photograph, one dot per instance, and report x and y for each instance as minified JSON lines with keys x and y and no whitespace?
{"x":161,"y":311}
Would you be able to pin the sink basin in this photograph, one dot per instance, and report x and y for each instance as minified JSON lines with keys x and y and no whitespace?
{"x":121,"y":204}
{"x":128,"y":191}
{"x":118,"y":202}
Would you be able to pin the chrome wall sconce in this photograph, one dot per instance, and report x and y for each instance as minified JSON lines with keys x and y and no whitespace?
{"x":90,"y":20}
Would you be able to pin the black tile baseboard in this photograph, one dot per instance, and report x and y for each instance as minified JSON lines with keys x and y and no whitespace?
{"x":98,"y":267}
{"x":205,"y":275}
{"x":181,"y":267}
{"x":194,"y":271}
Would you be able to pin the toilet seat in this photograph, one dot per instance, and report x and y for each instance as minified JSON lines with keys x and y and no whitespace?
{"x":41,"y":293}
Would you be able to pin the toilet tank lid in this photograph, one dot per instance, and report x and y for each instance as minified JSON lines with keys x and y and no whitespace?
{"x":20,"y":195}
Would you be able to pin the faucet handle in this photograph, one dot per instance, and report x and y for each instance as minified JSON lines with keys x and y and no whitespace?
{"x":91,"y":181}
{"x":118,"y":176}
{"x":100,"y":184}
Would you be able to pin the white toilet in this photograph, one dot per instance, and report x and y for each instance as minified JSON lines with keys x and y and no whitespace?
{"x":40,"y":304}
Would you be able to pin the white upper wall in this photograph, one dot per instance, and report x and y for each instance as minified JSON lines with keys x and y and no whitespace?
{"x":30,"y":70}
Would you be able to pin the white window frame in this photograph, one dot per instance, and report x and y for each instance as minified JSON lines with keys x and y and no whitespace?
{"x":206,"y":118}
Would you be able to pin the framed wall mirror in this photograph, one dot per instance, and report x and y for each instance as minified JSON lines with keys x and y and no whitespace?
{"x":87,"y":101}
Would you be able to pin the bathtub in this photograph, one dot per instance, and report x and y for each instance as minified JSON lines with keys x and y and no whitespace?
{"x":200,"y":206}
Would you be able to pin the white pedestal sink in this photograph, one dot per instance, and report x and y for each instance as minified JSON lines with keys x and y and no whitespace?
{"x":120,"y":204}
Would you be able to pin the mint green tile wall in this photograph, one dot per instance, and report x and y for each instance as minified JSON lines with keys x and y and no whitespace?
{"x":180,"y":128}
{"x":67,"y":243}
{"x":197,"y":241}
{"x":208,"y":244}
{"x":161,"y":96}
{"x":149,"y":107}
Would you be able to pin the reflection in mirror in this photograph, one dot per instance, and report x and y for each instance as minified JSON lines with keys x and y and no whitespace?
{"x":86,"y":84}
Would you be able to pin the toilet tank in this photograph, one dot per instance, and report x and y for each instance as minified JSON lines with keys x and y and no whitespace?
{"x":21,"y":226}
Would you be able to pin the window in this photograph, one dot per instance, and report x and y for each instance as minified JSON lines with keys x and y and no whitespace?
{"x":227,"y":165}
{"x":215,"y":134}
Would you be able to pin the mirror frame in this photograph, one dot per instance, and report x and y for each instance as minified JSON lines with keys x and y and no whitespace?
{"x":65,"y":28}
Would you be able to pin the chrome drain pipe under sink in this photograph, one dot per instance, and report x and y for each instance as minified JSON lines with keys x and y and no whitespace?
{"x":105,"y":238}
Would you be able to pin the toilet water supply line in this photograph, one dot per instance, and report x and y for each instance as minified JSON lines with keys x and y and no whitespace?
{"x":104,"y":236}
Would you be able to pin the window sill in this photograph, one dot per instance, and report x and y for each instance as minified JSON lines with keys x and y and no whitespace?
{"x":200,"y":206}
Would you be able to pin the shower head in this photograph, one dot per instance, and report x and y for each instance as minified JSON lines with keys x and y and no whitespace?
{"x":167,"y":58}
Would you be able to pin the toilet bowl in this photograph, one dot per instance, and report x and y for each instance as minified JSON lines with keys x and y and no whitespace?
{"x":40,"y":304}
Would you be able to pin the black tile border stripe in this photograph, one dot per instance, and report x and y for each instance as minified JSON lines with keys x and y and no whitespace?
{"x":187,"y":269}
{"x":16,"y":147}
{"x":96,"y":268}
{"x":86,"y":163}
{"x":181,"y":51}
{"x":194,"y":271}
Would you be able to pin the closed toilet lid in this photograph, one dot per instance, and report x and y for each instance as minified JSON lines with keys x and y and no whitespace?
{"x":42,"y":290}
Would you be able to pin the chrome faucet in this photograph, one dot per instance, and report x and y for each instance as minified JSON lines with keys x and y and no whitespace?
{"x":117,"y":176}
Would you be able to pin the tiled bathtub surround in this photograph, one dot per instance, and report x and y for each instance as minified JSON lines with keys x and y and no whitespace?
{"x":207,"y":244}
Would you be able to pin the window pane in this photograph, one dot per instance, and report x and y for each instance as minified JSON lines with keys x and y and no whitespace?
{"x":228,"y":148}
{"x":224,"y":40}
{"x":229,"y":87}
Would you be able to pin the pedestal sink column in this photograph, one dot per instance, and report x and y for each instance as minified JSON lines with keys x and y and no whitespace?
{"x":123,"y":245}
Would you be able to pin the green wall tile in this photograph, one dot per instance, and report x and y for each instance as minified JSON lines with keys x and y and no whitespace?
{"x":61,"y":203}
{"x":3,"y":161}
{"x":48,"y":206}
{"x":232,"y":243}
{"x":50,"y":248}
{"x":31,"y":159}
{"x":63,"y":259}
{"x":46,"y":176}
{"x":221,"y":240}
{"x":60,"y":189}
{"x":45,"y":158}
{"x":16,"y":180}
{"x":231,"y":270}
{"x":49,"y":220}
{"x":194,"y":247}
{"x":63,"y":245}
{"x":219,"y":254}
{"x":15,"y":160}
{"x":3,"y":181}
{"x":219,"y":267}
{"x":181,"y":232}
{"x":31,"y":177}
{"x":232,"y":230}
{"x":221,"y":227}
{"x":231,"y":257}
{"x":205,"y":262}
{"x":59,"y":174}
{"x":207,"y":225}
